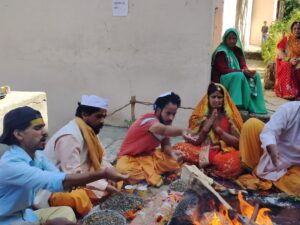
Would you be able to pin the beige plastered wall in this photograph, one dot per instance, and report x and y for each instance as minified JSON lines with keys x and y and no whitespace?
{"x":261,"y":11}
{"x":218,"y":23}
{"x":67,"y":48}
{"x":224,"y":18}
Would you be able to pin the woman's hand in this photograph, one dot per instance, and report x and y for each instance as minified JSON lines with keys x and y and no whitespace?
{"x":218,"y":130}
{"x":248,"y":73}
{"x":293,"y":61}
{"x":212,"y":119}
{"x":216,"y":127}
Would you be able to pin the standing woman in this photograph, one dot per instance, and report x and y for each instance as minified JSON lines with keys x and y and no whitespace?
{"x":230,"y":69}
{"x":287,"y":83}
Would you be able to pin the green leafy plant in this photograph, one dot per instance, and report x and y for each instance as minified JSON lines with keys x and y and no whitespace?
{"x":277,"y":30}
{"x":129,"y":122}
{"x":290,"y":6}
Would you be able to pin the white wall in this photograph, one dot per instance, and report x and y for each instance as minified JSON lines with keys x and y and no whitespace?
{"x":261,"y":11}
{"x":218,"y":23}
{"x":248,"y":23}
{"x":229,"y":14}
{"x":72,"y":47}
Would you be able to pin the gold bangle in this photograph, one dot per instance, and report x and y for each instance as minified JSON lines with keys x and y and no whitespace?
{"x":222,"y":132}
{"x":105,"y":172}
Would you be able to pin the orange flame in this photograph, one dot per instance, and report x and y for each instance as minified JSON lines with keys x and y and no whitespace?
{"x":212,"y":218}
{"x":222,"y":217}
{"x":247,"y":210}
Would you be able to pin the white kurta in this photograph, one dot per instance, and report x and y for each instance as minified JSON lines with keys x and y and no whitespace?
{"x":283,"y":130}
{"x":68,"y":151}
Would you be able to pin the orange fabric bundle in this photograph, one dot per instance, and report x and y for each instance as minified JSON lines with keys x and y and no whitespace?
{"x":77,"y":199}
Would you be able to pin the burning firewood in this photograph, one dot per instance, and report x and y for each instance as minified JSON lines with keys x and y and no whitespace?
{"x":255,"y":213}
{"x":201,"y":184}
{"x":189,"y":173}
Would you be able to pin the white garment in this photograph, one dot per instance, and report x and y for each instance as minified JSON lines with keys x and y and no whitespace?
{"x":283,"y":130}
{"x":68,"y":151}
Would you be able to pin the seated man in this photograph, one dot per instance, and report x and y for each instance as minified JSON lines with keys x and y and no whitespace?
{"x":76,"y":148}
{"x":138,"y":155}
{"x":272,"y":151}
{"x":24,"y":170}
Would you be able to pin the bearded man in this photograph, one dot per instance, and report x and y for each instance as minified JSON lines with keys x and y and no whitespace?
{"x":139,"y":155}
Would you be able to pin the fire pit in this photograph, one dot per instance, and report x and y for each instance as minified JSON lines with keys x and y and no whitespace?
{"x":203,"y":205}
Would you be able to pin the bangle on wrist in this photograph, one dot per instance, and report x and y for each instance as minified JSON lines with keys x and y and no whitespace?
{"x":105,"y":172}
{"x":205,"y":131}
{"x":221,"y":132}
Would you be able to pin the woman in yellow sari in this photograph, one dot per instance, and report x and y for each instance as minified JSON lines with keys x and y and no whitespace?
{"x":216,"y":124}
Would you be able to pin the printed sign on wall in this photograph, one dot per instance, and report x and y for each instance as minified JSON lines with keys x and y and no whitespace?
{"x":120,"y":7}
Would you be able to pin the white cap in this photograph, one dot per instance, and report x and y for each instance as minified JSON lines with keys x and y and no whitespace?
{"x":165,"y":94}
{"x":94,"y":101}
{"x":162,"y":95}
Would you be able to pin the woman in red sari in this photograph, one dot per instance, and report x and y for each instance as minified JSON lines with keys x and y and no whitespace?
{"x":216,"y":123}
{"x":287,"y":84}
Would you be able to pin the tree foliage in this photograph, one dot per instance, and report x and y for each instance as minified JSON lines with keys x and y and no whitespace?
{"x":290,"y":6}
{"x":276,"y":32}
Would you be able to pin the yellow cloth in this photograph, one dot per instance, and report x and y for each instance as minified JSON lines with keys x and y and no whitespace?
{"x":250,"y":145}
{"x":201,"y":111}
{"x":250,"y":150}
{"x":148,"y":167}
{"x":95,"y":148}
{"x":293,"y":46}
{"x":77,"y":199}
{"x":290,"y":182}
{"x":55,"y":212}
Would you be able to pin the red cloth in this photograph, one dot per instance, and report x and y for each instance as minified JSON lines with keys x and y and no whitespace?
{"x":223,"y":164}
{"x":282,"y":43}
{"x":139,"y":140}
{"x":220,"y":65}
{"x":286,"y":86}
{"x":227,"y":164}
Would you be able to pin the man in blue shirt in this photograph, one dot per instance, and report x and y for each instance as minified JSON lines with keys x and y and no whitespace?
{"x":24,"y":170}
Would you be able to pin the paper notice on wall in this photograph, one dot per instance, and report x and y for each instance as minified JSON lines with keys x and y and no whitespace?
{"x":120,"y":7}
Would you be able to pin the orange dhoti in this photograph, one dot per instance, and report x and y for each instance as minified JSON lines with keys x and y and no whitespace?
{"x":251,"y":151}
{"x":149,"y":167}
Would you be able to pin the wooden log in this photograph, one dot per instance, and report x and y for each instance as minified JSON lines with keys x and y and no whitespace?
{"x":196,"y":179}
{"x":255,"y":213}
{"x":132,"y":103}
{"x":192,"y":172}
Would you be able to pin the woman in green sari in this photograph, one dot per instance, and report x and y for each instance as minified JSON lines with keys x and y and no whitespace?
{"x":229,"y":68}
